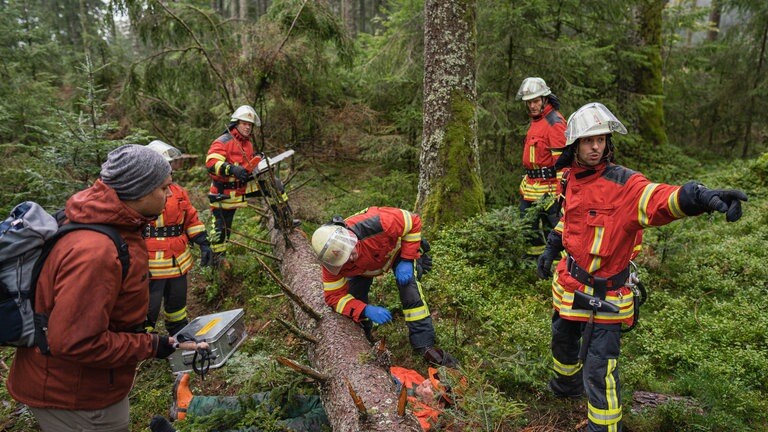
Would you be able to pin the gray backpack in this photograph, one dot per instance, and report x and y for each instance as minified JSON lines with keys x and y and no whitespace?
{"x":26,"y":238}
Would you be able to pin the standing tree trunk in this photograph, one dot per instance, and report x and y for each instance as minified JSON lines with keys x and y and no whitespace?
{"x":714,"y":20}
{"x":450,"y":187}
{"x":648,"y":75}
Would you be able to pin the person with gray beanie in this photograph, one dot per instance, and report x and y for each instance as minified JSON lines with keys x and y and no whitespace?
{"x":95,"y":311}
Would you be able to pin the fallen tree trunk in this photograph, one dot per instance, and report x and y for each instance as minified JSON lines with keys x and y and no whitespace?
{"x":342,"y":353}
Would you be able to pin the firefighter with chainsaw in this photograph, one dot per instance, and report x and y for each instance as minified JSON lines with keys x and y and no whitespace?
{"x":170,"y":258}
{"x":230,"y":162}
{"x":543,"y":144}
{"x":605,"y":205}
{"x":355,"y":250}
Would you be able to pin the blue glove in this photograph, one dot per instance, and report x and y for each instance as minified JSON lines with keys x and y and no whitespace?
{"x":377,"y":314}
{"x":404,"y":272}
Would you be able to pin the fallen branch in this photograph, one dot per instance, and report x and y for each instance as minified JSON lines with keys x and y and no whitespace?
{"x":254,"y":250}
{"x":306,"y":370}
{"x":296,"y":331}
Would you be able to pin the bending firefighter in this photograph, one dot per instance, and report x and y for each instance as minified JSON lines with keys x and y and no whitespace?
{"x":231,"y":160}
{"x":604,"y":208}
{"x":543,"y":144}
{"x":170,"y":259}
{"x":368,"y":244}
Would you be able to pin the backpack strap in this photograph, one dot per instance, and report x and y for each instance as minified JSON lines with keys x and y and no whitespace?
{"x":41,"y":320}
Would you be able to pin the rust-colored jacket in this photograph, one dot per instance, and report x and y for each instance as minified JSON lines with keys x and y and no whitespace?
{"x":92,"y":312}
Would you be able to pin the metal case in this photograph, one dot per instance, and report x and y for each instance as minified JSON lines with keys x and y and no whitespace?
{"x":224,"y":332}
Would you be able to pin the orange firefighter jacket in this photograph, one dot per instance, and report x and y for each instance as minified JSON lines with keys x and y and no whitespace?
{"x":604,"y":210}
{"x":383,"y":233}
{"x":233,"y":148}
{"x":544,"y":143}
{"x":169,"y":254}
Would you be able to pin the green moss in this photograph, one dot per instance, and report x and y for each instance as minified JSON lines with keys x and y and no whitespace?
{"x":458,"y":193}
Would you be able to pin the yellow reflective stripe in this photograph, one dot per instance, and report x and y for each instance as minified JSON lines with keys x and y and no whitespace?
{"x":535,"y":250}
{"x":416,"y":314}
{"x":533,"y":192}
{"x":597,"y":240}
{"x":334,"y":285}
{"x":176,"y":316}
{"x":595,"y":264}
{"x":604,"y":417}
{"x":611,"y":387}
{"x":164,"y":267}
{"x":219,"y":247}
{"x":560,"y":226}
{"x":407,"y":222}
{"x":191,"y":231}
{"x":642,"y":205}
{"x":343,"y":302}
{"x":412,"y":237}
{"x":638,"y":247}
{"x":566,"y":369}
{"x":216,"y":156}
{"x":160,"y":221}
{"x":674,"y":205}
{"x":562,"y":300}
{"x":531,"y":154}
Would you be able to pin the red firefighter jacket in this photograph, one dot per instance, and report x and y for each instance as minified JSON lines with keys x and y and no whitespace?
{"x":544,"y":143}
{"x":383,"y":233}
{"x":169,"y":255}
{"x":234,"y":148}
{"x":93,"y":313}
{"x":604,"y":210}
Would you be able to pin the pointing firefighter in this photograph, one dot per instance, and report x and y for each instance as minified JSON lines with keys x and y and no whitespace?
{"x":368,"y":244}
{"x":170,"y":259}
{"x":605,"y":206}
{"x":543,"y":144}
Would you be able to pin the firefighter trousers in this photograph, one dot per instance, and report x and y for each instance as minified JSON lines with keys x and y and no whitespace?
{"x":541,"y":224}
{"x":600,"y":369}
{"x":172,"y":292}
{"x":421,"y":332}
{"x":222,"y":226}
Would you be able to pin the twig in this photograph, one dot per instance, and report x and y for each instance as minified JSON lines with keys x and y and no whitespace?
{"x":235,"y":242}
{"x":296,"y":331}
{"x":306,"y":370}
{"x":257,"y":240}
{"x":287,"y":290}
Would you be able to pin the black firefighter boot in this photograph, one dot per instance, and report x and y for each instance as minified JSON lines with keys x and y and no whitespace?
{"x":567,"y":386}
{"x":439,"y":357}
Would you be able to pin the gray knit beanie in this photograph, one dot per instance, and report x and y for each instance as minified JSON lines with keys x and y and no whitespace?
{"x":134,"y":171}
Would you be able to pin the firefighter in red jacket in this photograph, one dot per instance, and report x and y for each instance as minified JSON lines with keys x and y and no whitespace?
{"x":543,"y":144}
{"x":230,"y":160}
{"x":605,"y":206}
{"x":170,"y":259}
{"x":368,"y":244}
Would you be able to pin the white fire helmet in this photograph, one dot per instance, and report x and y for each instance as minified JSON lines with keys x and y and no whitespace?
{"x":246,"y":113}
{"x":590,"y":120}
{"x":333,"y":245}
{"x":169,"y":152}
{"x":531,"y":88}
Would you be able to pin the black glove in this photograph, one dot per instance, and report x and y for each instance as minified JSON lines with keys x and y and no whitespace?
{"x":238,"y":172}
{"x":551,"y":252}
{"x":726,"y":201}
{"x":205,"y":249}
{"x":164,"y":348}
{"x":424,"y":262}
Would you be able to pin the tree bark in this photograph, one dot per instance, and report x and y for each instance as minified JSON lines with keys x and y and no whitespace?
{"x":714,"y":20}
{"x":648,"y":78}
{"x":450,"y":188}
{"x":342,"y":351}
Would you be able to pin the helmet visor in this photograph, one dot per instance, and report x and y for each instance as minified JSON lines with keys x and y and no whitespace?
{"x":590,"y":120}
{"x":337,"y":249}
